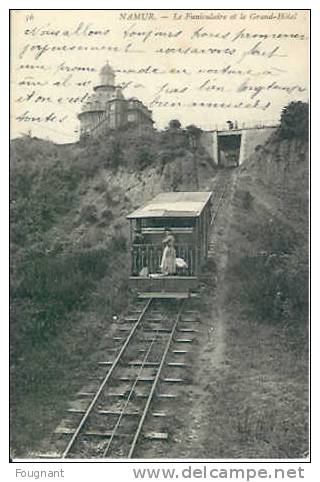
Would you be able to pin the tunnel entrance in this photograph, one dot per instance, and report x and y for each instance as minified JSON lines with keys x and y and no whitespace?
{"x":229,"y":150}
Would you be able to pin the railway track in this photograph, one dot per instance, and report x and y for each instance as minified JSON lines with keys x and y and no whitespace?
{"x":130,"y":399}
{"x":120,"y":409}
{"x":218,"y":198}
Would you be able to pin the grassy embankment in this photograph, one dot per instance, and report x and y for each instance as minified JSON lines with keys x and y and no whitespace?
{"x":69,"y":258}
{"x":259,"y":402}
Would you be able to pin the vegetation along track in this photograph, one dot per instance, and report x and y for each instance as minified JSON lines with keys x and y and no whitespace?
{"x":130,"y":400}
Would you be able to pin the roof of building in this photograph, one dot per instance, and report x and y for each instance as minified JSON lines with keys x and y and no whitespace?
{"x":107,"y":75}
{"x":173,"y":204}
{"x":106,"y":68}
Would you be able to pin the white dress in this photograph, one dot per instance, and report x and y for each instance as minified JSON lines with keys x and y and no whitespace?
{"x":168,"y":261}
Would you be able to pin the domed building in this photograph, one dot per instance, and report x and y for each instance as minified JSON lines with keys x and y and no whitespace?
{"x":106,"y":108}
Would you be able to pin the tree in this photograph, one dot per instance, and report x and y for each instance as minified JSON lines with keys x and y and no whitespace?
{"x":174,"y":124}
{"x":295,"y":120}
{"x":194,"y":134}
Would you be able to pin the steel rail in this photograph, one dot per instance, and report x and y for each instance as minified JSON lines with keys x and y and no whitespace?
{"x":218,"y":205}
{"x":104,"y":382}
{"x":154,"y":385}
{"x":114,"y":431}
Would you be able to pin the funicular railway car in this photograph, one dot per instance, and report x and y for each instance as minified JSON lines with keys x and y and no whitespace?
{"x":181,"y":222}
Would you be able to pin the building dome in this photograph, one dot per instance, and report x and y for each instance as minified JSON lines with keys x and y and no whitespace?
{"x":107,"y":75}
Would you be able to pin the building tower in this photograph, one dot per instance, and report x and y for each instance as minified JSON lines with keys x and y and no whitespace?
{"x":107,"y":108}
{"x":107,"y":75}
{"x":94,"y":109}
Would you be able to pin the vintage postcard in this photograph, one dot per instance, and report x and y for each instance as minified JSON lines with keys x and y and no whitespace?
{"x":159,"y":255}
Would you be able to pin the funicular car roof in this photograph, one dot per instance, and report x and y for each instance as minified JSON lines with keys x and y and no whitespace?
{"x":173,"y":204}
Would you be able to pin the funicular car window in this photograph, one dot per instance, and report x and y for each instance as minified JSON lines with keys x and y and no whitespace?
{"x":168,"y":223}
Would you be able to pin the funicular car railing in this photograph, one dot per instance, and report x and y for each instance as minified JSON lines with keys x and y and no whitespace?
{"x":146,"y":259}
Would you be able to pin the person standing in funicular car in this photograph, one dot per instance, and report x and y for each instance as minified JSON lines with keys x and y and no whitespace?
{"x":168,"y":261}
{"x":138,"y":248}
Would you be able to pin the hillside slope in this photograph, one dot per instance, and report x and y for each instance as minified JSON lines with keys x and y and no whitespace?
{"x":69,"y":251}
{"x":250,"y":393}
{"x":69,"y":267}
{"x":272,"y":194}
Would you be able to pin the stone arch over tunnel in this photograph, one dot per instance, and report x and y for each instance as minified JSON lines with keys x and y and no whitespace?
{"x":245,"y":141}
{"x":229,"y":149}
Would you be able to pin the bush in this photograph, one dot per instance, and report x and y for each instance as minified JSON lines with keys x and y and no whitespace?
{"x":295,"y":121}
{"x":88,"y":214}
{"x":173,"y":139}
{"x":275,"y":281}
{"x":39,"y":197}
{"x":143,"y":159}
{"x":88,"y":164}
{"x":174,"y":124}
{"x":107,"y":215}
{"x":52,"y":286}
{"x":247,"y":201}
{"x":118,"y":243}
{"x":194,"y":134}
